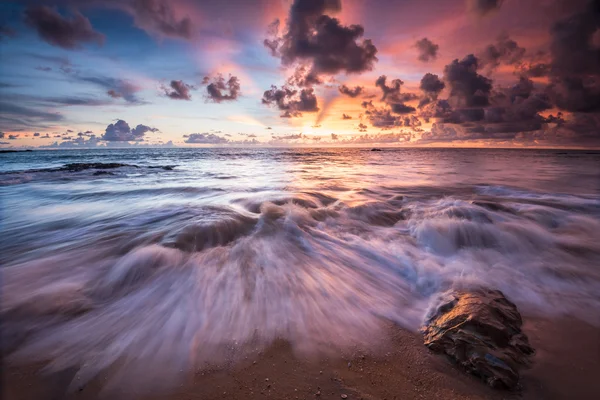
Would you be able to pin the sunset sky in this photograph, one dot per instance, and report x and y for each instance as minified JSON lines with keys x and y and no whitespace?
{"x":300,"y":72}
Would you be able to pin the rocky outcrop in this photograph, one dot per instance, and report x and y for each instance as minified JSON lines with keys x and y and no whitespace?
{"x":481,"y":331}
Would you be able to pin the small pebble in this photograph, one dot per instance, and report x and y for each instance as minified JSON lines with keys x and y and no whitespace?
{"x":344,"y":396}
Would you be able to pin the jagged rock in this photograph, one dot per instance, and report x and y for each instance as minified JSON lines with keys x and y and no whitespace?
{"x":481,"y":331}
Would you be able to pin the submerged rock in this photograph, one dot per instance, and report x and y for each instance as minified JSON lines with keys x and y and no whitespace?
{"x":77,"y":167}
{"x":481,"y":331}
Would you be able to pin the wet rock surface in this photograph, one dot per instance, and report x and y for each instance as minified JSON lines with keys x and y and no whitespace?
{"x":76,"y":167}
{"x":480,"y":330}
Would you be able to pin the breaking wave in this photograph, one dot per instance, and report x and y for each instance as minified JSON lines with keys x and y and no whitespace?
{"x":307,"y":268}
{"x":151,"y":273}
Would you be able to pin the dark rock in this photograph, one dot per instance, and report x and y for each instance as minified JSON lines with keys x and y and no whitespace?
{"x":376,"y":150}
{"x":481,"y":331}
{"x":77,"y":167}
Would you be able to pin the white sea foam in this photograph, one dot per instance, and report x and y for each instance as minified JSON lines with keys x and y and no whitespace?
{"x":147,"y":284}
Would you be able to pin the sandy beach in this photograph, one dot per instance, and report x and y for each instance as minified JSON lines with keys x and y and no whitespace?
{"x":566,"y":366}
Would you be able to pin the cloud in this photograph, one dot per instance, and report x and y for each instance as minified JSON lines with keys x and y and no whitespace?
{"x":205,"y":138}
{"x":291,"y":137}
{"x":36,"y":134}
{"x":351,"y":92}
{"x":334,"y":136}
{"x":68,"y":33}
{"x":121,"y":132}
{"x":158,"y":17}
{"x":13,"y":137}
{"x":575,"y":65}
{"x":362,"y":127}
{"x":74,"y":101}
{"x":400,"y":108}
{"x":505,"y":51}
{"x":45,"y":69}
{"x":315,"y":39}
{"x":291,"y":101}
{"x":303,"y":77}
{"x":1,"y":135}
{"x":467,"y":87}
{"x":179,"y":90}
{"x":117,"y":88}
{"x":346,"y":116}
{"x":427,"y":50}
{"x":483,"y":7}
{"x":392,"y":95}
{"x":220,"y":90}
{"x":431,"y":85}
{"x":14,"y":117}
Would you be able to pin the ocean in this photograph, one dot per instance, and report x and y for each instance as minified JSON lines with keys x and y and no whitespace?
{"x":176,"y":257}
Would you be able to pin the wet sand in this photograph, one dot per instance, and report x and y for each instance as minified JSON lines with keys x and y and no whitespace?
{"x":566,"y":366}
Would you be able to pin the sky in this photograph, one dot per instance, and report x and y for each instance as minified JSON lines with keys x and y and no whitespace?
{"x":465,"y":73}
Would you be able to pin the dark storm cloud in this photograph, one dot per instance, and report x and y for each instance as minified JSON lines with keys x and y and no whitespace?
{"x":575,"y":67}
{"x":312,"y":37}
{"x":351,"y":92}
{"x":392,"y":93}
{"x":427,"y":50}
{"x":505,"y":51}
{"x":121,"y":132}
{"x":346,"y":116}
{"x":291,"y":101}
{"x":380,"y":117}
{"x":431,"y":86}
{"x":467,"y":87}
{"x":68,"y":33}
{"x":400,"y":108}
{"x":393,"y":96}
{"x":158,"y":17}
{"x":511,"y":111}
{"x":534,"y":69}
{"x":220,"y":90}
{"x":483,"y":7}
{"x":476,"y":111}
{"x":205,"y":138}
{"x":392,"y":90}
{"x":303,"y":77}
{"x":178,"y":90}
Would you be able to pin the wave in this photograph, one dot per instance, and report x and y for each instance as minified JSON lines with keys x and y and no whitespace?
{"x":177,"y":288}
{"x":75,"y":171}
